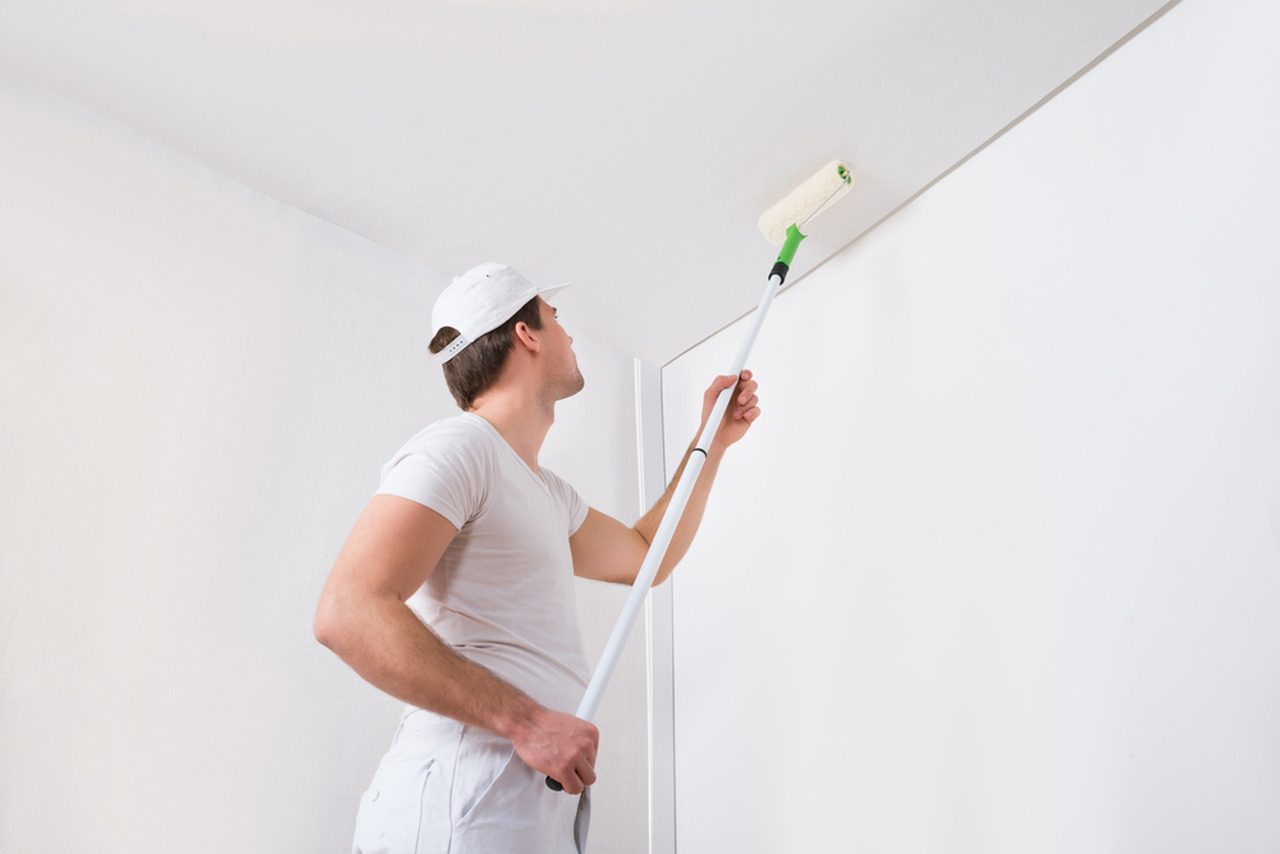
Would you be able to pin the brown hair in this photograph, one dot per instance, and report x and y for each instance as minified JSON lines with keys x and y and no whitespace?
{"x":474,"y":369}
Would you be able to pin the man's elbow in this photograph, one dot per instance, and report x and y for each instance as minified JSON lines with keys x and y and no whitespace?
{"x":329,"y":628}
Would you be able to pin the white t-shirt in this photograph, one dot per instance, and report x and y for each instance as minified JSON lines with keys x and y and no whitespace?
{"x":502,"y":595}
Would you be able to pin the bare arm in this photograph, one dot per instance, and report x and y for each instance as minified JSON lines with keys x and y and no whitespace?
{"x":607,"y":550}
{"x":362,"y":617}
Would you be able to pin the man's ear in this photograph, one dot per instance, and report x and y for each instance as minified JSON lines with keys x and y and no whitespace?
{"x":525,"y":336}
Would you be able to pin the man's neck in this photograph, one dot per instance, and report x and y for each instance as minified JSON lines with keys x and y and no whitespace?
{"x":522,"y":422}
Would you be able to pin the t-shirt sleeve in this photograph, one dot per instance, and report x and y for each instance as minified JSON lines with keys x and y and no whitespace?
{"x":570,"y":500}
{"x":440,"y":476}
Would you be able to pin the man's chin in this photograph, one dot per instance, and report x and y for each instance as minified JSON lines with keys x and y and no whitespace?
{"x":570,"y":388}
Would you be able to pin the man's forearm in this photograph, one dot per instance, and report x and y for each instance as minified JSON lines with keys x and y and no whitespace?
{"x":648,"y":524}
{"x":385,"y":642}
{"x":742,"y":409}
{"x":392,"y":650}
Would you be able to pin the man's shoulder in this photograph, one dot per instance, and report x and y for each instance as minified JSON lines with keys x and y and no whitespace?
{"x":461,"y":440}
{"x":460,"y":431}
{"x":554,"y":480}
{"x":445,"y":467}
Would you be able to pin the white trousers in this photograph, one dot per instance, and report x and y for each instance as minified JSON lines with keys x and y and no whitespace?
{"x":447,"y":788}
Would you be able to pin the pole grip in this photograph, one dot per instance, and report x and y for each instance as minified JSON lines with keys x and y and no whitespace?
{"x":788,"y":253}
{"x":783,"y":265}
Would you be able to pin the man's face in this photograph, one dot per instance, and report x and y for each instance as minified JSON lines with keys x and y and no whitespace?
{"x":564,"y":379}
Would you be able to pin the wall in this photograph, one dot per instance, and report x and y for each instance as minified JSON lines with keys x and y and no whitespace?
{"x":199,"y":386}
{"x":999,"y":567}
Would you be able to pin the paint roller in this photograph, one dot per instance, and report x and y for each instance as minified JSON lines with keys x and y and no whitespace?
{"x":779,"y":224}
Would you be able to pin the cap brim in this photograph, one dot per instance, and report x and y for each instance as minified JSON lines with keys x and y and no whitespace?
{"x":553,"y":290}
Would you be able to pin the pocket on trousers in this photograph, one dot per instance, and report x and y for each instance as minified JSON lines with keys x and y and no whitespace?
{"x":487,"y":776}
{"x":397,"y":810}
{"x":389,"y":820}
{"x":582,"y":820}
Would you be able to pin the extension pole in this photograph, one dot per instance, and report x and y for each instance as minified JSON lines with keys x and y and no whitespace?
{"x":684,"y":488}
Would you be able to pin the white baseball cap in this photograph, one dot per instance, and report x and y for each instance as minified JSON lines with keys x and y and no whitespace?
{"x":481,"y":300}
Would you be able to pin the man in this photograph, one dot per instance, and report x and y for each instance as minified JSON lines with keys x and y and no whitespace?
{"x":454,"y":590}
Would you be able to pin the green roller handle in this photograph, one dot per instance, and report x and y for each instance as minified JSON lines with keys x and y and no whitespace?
{"x":788,"y":253}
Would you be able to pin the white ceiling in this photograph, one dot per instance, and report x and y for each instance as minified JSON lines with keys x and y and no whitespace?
{"x":629,"y":145}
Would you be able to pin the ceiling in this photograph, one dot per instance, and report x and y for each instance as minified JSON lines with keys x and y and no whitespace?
{"x":628,"y":146}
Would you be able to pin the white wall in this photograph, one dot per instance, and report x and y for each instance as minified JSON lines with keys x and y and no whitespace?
{"x":999,"y":568}
{"x":199,"y":386}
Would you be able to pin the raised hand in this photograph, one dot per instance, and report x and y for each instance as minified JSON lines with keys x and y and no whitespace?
{"x":743,"y":408}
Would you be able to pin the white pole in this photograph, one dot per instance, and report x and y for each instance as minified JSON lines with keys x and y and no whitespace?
{"x":670,"y":520}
